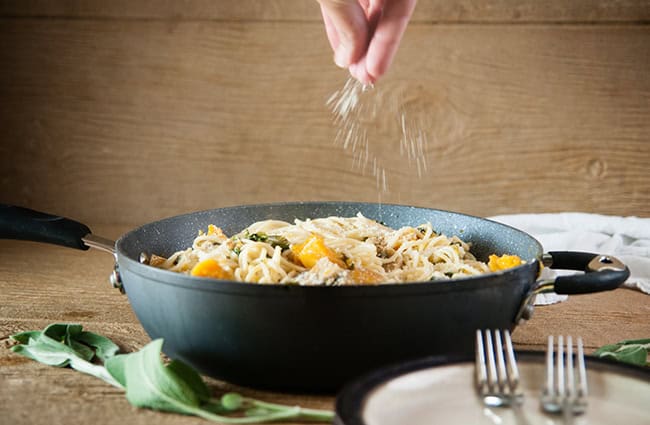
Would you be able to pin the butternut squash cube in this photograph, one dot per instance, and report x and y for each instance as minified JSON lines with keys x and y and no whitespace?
{"x":210,"y":268}
{"x":312,"y":250}
{"x":503,"y":262}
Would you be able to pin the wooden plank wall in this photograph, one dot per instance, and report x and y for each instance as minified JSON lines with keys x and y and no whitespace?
{"x":128,"y":111}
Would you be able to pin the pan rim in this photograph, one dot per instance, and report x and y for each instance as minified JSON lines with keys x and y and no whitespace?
{"x":179,"y":279}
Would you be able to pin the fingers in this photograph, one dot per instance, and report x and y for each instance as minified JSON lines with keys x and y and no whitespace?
{"x":387,"y":37}
{"x":365,"y":34}
{"x":347,"y":29}
{"x":330,"y":30}
{"x":358,"y":71}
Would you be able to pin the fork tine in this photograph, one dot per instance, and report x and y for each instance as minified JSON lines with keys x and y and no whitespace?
{"x":501,"y":364}
{"x":582,"y":371}
{"x":559,"y":364}
{"x":497,"y":375}
{"x":481,"y":371}
{"x":549,"y":367}
{"x":568,"y":401}
{"x":491,"y":365}
{"x":513,"y":375}
{"x":562,"y":392}
{"x":570,"y":383}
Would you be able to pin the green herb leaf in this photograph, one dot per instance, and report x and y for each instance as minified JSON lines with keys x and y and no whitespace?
{"x":61,"y":345}
{"x":104,"y":347}
{"x":644,"y":341}
{"x":24,"y":337}
{"x":280,"y":241}
{"x":185,"y":373}
{"x":148,"y":382}
{"x":273,"y":240}
{"x":633,"y":351}
{"x":116,"y":367}
{"x":258,"y":237}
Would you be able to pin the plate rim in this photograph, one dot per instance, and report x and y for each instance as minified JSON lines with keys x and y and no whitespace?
{"x":351,"y":399}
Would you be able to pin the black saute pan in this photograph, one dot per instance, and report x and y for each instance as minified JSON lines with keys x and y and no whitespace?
{"x":310,"y":338}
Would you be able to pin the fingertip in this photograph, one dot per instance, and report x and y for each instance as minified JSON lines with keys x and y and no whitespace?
{"x":376,"y":70}
{"x":381,"y":52}
{"x":371,"y":77}
{"x":347,"y":30}
{"x":387,"y":36}
{"x":358,"y":71}
{"x":342,"y":56}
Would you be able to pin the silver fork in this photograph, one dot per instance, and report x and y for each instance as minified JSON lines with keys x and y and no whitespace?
{"x":563,"y":393}
{"x":497,"y":375}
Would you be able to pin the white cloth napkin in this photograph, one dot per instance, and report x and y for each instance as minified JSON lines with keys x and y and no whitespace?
{"x":626,"y":238}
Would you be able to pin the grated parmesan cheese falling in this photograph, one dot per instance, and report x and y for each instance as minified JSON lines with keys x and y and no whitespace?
{"x":355,"y":110}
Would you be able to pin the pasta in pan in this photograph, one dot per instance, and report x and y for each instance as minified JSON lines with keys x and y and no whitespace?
{"x":329,"y":251}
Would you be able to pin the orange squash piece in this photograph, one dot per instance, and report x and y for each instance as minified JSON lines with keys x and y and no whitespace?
{"x":210,"y":268}
{"x":312,"y":250}
{"x":503,"y":262}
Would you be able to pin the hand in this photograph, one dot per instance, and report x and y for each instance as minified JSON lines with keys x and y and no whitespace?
{"x":365,"y":34}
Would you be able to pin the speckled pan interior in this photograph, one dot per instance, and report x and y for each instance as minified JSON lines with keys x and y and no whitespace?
{"x":169,"y":235}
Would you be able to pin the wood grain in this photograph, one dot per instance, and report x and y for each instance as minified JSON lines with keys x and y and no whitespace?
{"x":127,"y":122}
{"x":118,"y":113}
{"x":45,"y":284}
{"x":42,"y":284}
{"x":467,"y":11}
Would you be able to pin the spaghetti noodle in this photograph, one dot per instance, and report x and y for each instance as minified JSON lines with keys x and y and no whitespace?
{"x":327,"y":251}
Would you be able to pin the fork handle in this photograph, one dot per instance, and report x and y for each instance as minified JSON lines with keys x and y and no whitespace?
{"x":602,"y":272}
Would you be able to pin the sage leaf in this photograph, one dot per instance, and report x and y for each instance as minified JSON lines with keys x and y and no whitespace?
{"x":149,"y":383}
{"x":644,"y":341}
{"x":185,"y":373}
{"x":104,"y":347}
{"x":44,"y":353}
{"x":632,"y":351}
{"x":609,"y":348}
{"x":634,"y":354}
{"x":25,"y":337}
{"x":172,"y":388}
{"x":57,"y":345}
{"x":116,"y":367}
{"x":273,"y":240}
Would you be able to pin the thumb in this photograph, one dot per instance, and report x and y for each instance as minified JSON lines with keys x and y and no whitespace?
{"x":347,"y":29}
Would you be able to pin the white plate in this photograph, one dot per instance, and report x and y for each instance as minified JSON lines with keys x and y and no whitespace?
{"x":437,"y":391}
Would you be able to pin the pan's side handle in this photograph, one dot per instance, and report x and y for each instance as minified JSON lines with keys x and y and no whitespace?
{"x":25,"y":224}
{"x":602,"y":272}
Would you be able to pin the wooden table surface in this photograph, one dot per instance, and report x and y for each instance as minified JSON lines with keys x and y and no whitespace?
{"x":41,"y":284}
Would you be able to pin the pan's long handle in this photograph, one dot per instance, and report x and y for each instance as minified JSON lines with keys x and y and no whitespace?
{"x":25,"y":224}
{"x":602,"y":272}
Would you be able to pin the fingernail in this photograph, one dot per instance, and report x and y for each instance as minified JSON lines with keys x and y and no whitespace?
{"x":342,"y":56}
